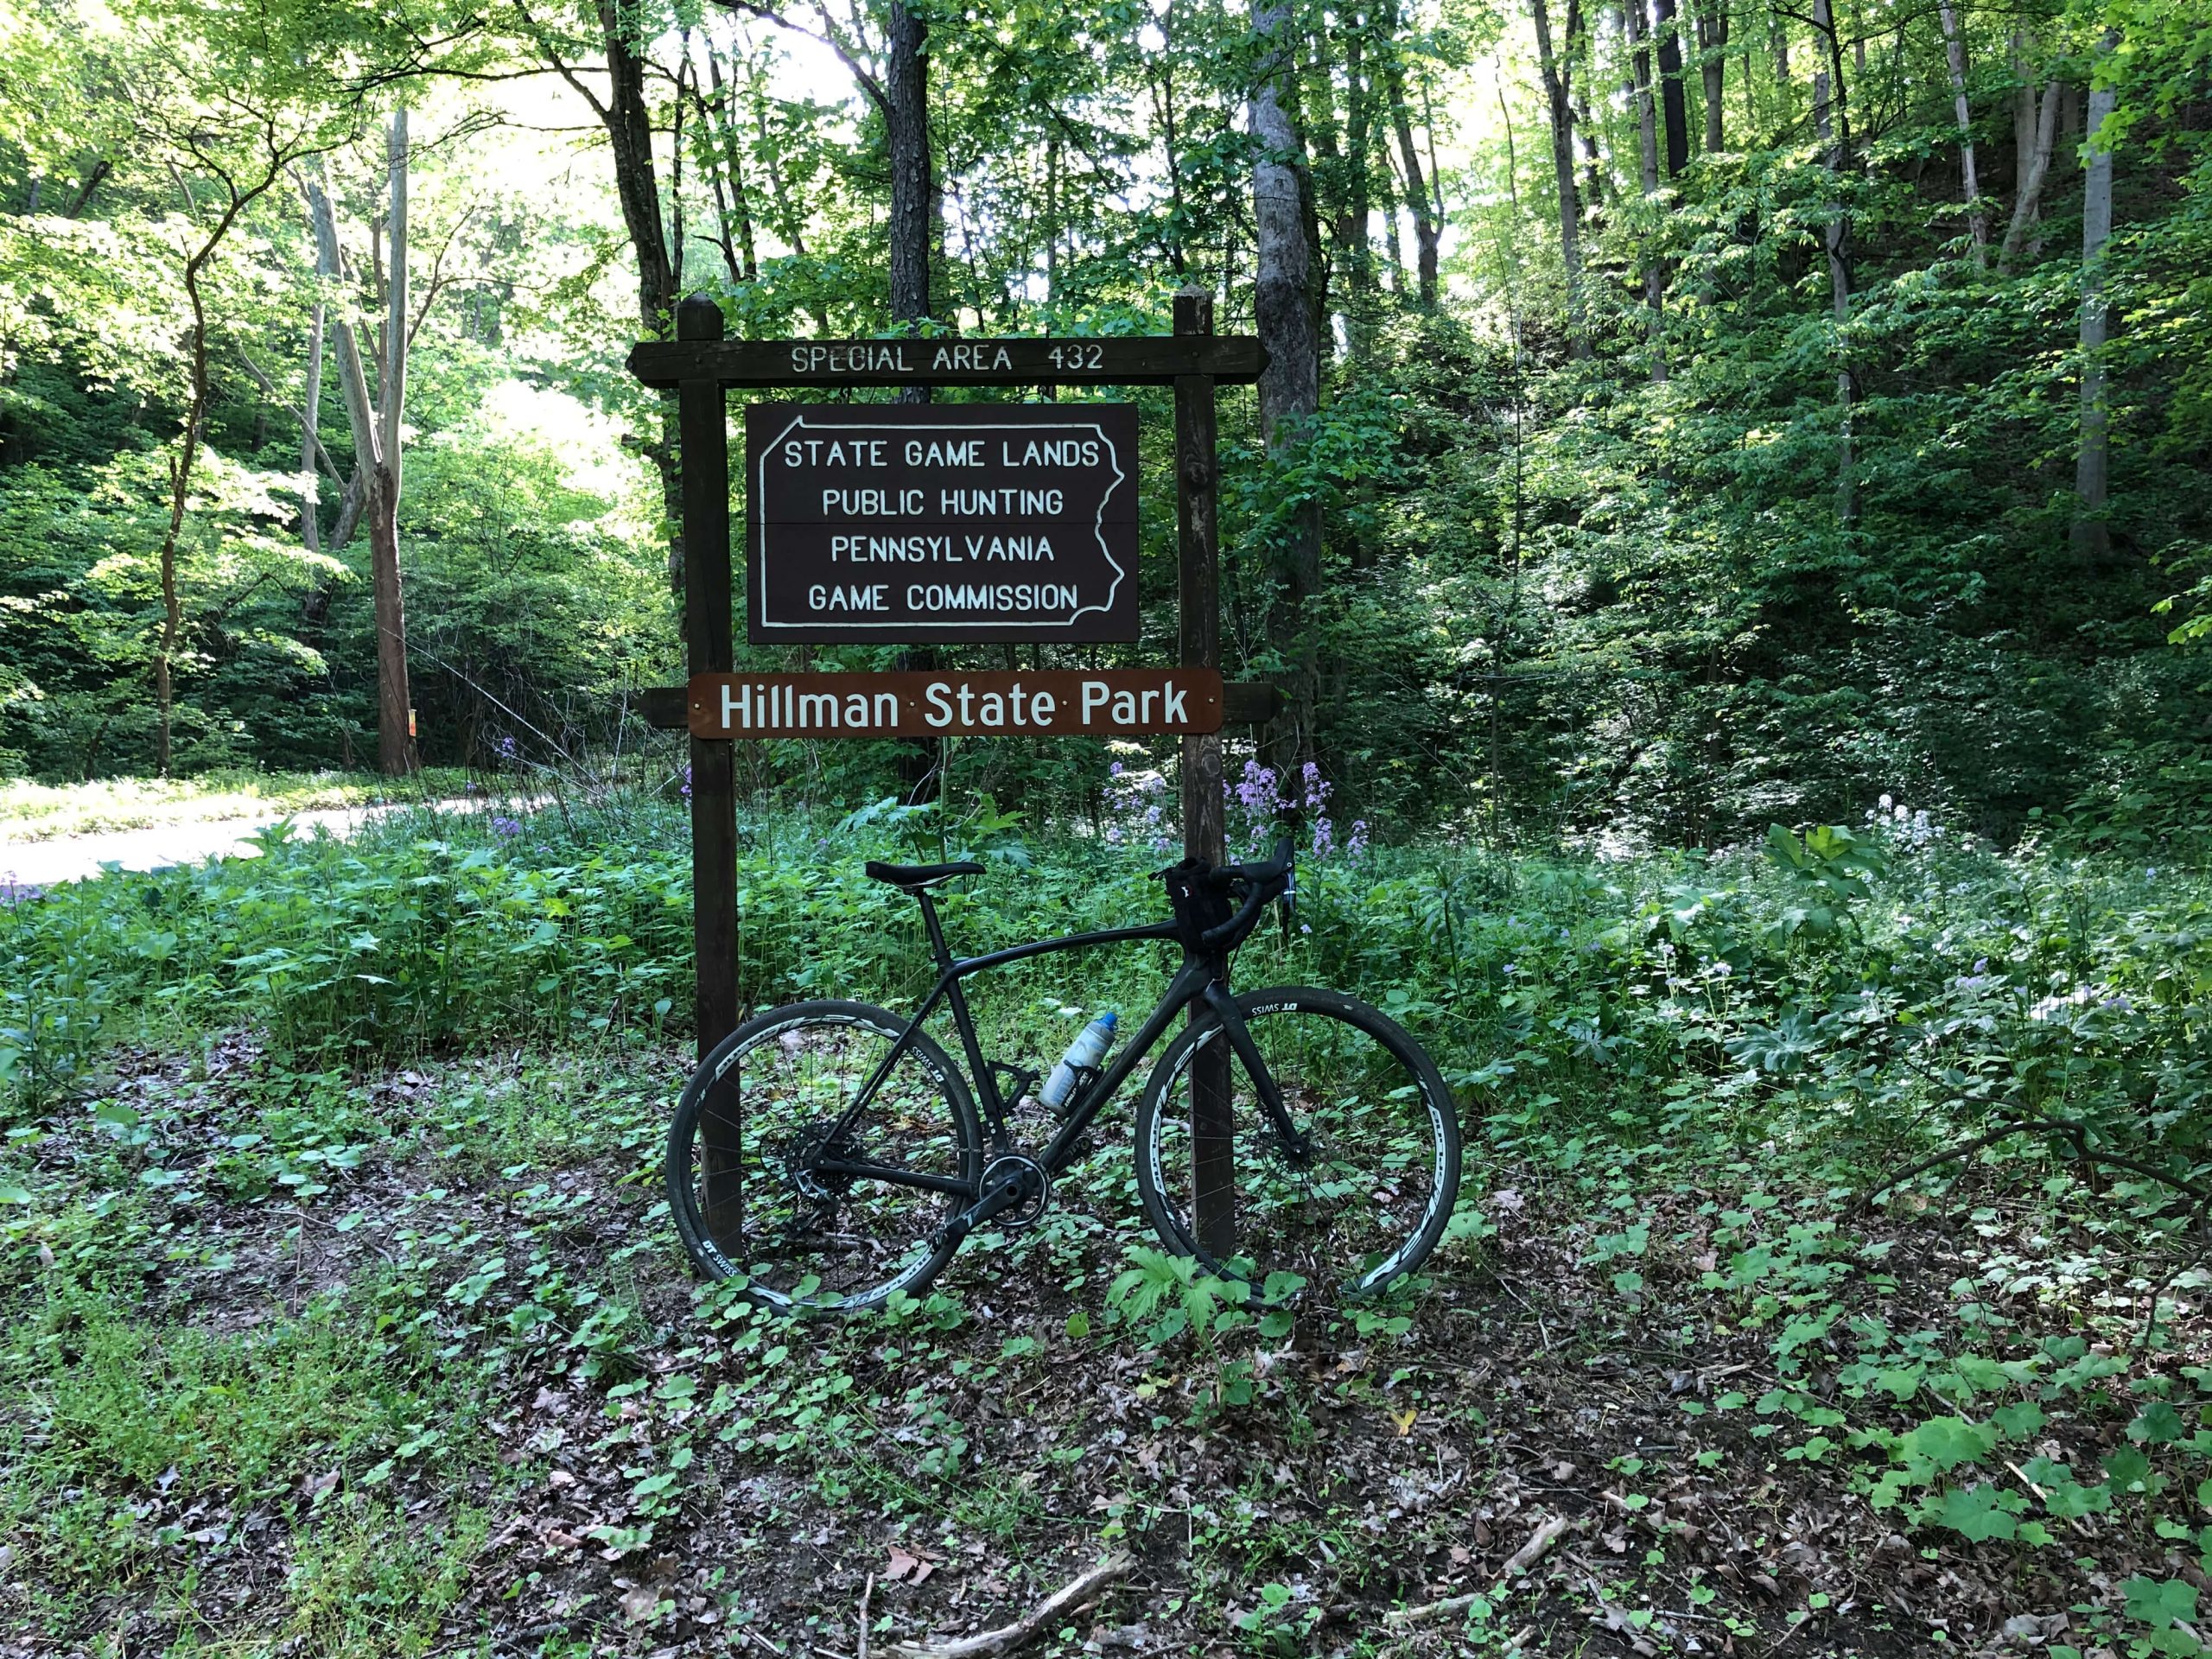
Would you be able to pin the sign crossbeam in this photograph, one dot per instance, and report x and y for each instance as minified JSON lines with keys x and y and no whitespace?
{"x":1122,"y":360}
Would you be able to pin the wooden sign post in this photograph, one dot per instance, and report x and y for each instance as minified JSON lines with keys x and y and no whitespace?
{"x":872,"y":529}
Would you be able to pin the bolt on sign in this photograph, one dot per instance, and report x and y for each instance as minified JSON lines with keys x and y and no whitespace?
{"x":1050,"y":703}
{"x":915,"y":523}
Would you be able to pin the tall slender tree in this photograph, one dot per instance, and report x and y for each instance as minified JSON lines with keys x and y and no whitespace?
{"x":1559,"y":108}
{"x":1667,"y":27}
{"x":1712,"y":60}
{"x":1283,"y":312}
{"x":374,"y":416}
{"x":1831,"y":118}
{"x":1955,"y":51}
{"x":2091,"y":534}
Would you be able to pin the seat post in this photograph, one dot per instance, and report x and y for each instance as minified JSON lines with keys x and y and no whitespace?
{"x":937,"y":933}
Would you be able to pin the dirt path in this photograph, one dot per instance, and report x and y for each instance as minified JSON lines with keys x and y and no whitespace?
{"x":72,"y":858}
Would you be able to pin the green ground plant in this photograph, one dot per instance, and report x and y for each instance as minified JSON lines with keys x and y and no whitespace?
{"x":329,"y":1227}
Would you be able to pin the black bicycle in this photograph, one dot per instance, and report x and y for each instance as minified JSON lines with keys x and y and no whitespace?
{"x":830,"y":1154}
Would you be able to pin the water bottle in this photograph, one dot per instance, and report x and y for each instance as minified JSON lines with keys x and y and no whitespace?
{"x":1084,"y":1053}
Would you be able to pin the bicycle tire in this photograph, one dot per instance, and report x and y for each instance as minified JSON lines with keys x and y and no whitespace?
{"x":1288,"y":1218}
{"x":924,"y":1106}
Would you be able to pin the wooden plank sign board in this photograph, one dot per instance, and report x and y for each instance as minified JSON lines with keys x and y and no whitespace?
{"x":1107,"y":361}
{"x":909,"y":522}
{"x":1054,"y":703}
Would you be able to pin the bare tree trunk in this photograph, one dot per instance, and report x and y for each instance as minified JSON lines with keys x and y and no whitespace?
{"x":189,"y":442}
{"x":628,"y":120}
{"x":1585,"y":130}
{"x":1674,"y":107}
{"x":395,"y":742}
{"x":1777,"y":43}
{"x":1712,"y":48}
{"x":2025,"y":204}
{"x":374,"y":422}
{"x":2092,"y":471}
{"x":1282,"y":303}
{"x":1639,"y":90}
{"x":906,"y":122}
{"x":1556,"y":87}
{"x":1829,"y":118}
{"x":1655,"y":282}
{"x":741,"y":202}
{"x":310,"y":407}
{"x":1426,"y":232}
{"x":1955,"y":49}
{"x":1359,"y":143}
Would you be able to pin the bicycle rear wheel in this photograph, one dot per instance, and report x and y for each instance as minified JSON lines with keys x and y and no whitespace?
{"x":760,"y":1115}
{"x":1375,"y":1191}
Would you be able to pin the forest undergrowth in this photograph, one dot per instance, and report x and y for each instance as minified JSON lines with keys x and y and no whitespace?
{"x":343,"y":1314}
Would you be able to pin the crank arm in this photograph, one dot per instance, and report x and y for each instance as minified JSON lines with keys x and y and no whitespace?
{"x":999,"y":1198}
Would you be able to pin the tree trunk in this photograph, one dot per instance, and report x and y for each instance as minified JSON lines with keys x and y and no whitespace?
{"x":1426,"y":232}
{"x":188,"y":441}
{"x":1585,"y":130}
{"x":2023,"y":106}
{"x":741,"y":202}
{"x":1956,"y":50}
{"x":628,"y":120}
{"x":310,"y":407}
{"x":1561,"y":106}
{"x":2025,"y":204}
{"x":1655,"y":282}
{"x":906,"y":125}
{"x":2092,"y":471}
{"x":1831,"y":122}
{"x":1713,"y":49}
{"x":1639,"y":90}
{"x":1670,"y":87}
{"x":1359,"y":143}
{"x":395,"y":742}
{"x":374,"y":422}
{"x":1290,"y":392}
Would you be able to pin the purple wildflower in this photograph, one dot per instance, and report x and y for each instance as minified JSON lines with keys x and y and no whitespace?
{"x":506,"y":826}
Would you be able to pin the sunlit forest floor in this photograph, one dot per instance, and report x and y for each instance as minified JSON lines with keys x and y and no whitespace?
{"x":314,"y":1348}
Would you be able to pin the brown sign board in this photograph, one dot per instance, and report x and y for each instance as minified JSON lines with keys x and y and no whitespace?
{"x":1053,"y":703}
{"x":909,"y":522}
{"x":1126,"y":360}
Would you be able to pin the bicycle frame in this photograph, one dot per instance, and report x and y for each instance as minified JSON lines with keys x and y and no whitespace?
{"x":1201,"y":978}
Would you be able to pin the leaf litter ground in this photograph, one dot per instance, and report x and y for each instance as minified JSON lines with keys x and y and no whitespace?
{"x":308,"y":1365}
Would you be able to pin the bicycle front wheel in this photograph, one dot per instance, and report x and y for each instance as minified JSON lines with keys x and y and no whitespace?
{"x":767,"y":1179}
{"x":1372,"y":1195}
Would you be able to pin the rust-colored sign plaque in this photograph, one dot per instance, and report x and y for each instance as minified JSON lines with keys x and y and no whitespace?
{"x":900,"y":523}
{"x":1058,"y":703}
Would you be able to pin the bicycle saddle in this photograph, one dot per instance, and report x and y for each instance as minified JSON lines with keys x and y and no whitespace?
{"x":912,"y":878}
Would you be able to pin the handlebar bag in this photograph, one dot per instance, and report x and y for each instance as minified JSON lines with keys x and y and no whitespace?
{"x":1199,"y":896}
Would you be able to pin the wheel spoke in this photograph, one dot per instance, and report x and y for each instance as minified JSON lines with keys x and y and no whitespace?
{"x":1366,"y":1203}
{"x":798,"y":1193}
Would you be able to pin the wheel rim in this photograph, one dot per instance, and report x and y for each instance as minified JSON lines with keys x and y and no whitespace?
{"x":1352,"y":1218}
{"x":796,"y":1234}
